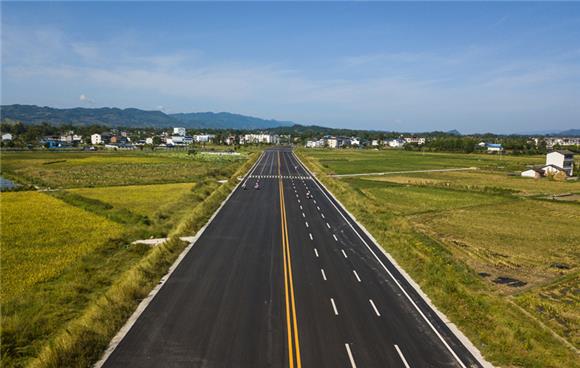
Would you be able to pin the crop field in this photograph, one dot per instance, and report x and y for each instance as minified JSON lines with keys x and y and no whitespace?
{"x":483,"y":181}
{"x":408,"y":200}
{"x":66,"y":247}
{"x":521,"y":239}
{"x":371,"y":161}
{"x":41,"y":236}
{"x":557,"y":306}
{"x":78,"y":169}
{"x":141,"y":199}
{"x":477,"y":242}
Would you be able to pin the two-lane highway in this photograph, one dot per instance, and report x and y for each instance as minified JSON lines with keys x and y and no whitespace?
{"x":283,"y":277}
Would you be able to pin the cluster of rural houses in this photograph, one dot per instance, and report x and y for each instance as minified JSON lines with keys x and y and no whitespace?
{"x":340,"y":142}
{"x":179,"y":137}
{"x":560,"y":162}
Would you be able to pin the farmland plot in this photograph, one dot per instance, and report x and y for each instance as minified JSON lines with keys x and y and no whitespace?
{"x":41,"y":236}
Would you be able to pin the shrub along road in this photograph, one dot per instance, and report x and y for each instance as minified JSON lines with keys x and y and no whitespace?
{"x":283,"y":277}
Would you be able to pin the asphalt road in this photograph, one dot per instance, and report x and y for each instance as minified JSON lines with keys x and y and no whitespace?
{"x":283,"y":279}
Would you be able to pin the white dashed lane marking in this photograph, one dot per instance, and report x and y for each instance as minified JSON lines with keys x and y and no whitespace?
{"x":374,"y":307}
{"x":334,"y":307}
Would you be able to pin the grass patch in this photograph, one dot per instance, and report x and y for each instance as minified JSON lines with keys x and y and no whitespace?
{"x":78,"y":169}
{"x":409,"y":200}
{"x":141,"y":199}
{"x":34,"y":251}
{"x":505,"y":334}
{"x":484,"y":182}
{"x":368,"y":161}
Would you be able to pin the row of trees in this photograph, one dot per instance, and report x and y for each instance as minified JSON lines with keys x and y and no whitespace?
{"x":27,"y":135}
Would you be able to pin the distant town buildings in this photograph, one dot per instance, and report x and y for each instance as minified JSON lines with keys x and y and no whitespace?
{"x":6,"y":137}
{"x":561,"y":141}
{"x":260,"y":138}
{"x":179,"y":131}
{"x":415,"y":140}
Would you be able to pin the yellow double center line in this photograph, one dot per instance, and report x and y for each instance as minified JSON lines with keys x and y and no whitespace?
{"x":291,"y":321}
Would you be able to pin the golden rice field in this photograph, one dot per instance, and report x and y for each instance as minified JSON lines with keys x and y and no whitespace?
{"x":521,"y":239}
{"x":140,"y":199}
{"x":42,"y":235}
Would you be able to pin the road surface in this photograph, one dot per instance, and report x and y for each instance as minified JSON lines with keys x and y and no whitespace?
{"x":281,"y":278}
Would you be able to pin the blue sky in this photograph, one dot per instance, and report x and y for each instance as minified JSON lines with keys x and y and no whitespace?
{"x":475,"y":67}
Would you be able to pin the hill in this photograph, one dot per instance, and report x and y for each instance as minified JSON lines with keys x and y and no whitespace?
{"x":226,"y":120}
{"x":133,"y":118}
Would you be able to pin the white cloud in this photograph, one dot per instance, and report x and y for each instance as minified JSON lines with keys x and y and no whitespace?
{"x":83,"y":98}
{"x":117,"y":74}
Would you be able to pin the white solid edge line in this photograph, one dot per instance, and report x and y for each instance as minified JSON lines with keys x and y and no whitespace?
{"x":344,"y":253}
{"x":334,"y":307}
{"x":350,"y":357}
{"x":316,"y":252}
{"x":402,"y":356}
{"x":323,"y":274}
{"x":393,"y":277}
{"x":374,"y":307}
{"x":116,"y":340}
{"x":356,"y":275}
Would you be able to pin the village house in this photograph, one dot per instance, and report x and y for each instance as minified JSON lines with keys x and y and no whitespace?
{"x":534,"y":172}
{"x":556,"y":162}
{"x":395,"y":143}
{"x":561,"y":159}
{"x":491,"y":147}
{"x":203,"y":138}
{"x":6,"y":137}
{"x":230,"y":140}
{"x":416,"y":140}
{"x":96,"y":139}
